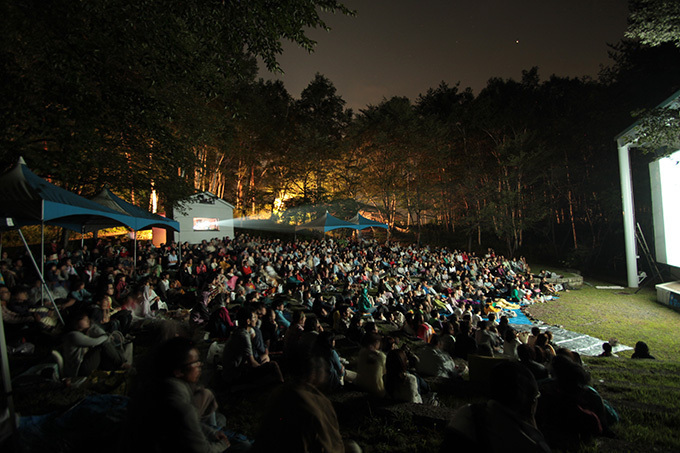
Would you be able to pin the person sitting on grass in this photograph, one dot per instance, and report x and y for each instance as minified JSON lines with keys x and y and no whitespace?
{"x":271,"y":333}
{"x":465,"y":344}
{"x":527,"y":357}
{"x":88,"y":347}
{"x":280,"y":314}
{"x":293,"y":334}
{"x":400,"y":385}
{"x":312,"y":328}
{"x":510,"y":344}
{"x":241,"y":368}
{"x":434,"y":361}
{"x":367,"y":304}
{"x":607,"y":351}
{"x":371,"y":365}
{"x":543,"y":343}
{"x":535,"y":332}
{"x":423,"y":330}
{"x":356,"y":330}
{"x":20,"y":322}
{"x":300,"y":418}
{"x":548,"y":289}
{"x":485,"y":336}
{"x":341,"y":319}
{"x":641,"y":351}
{"x":510,"y":413}
{"x":448,"y":337}
{"x":112,"y":312}
{"x":324,"y":347}
{"x":163,"y":415}
{"x":150,"y":300}
{"x":571,"y":412}
{"x":80,"y":294}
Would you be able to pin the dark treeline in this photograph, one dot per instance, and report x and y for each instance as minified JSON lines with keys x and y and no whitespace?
{"x":93,"y":95}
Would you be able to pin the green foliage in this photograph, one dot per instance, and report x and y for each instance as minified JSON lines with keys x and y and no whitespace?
{"x":129,"y":91}
{"x":658,"y":131}
{"x":253,"y":161}
{"x":299,"y":211}
{"x":576,"y":259}
{"x":654,"y":22}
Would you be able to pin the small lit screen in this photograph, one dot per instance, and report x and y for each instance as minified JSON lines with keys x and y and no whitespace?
{"x":206,"y":224}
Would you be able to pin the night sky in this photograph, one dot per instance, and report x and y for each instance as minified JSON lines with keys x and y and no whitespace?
{"x":403,"y":47}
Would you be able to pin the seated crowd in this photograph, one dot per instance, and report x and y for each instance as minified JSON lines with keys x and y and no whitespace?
{"x":282,"y":306}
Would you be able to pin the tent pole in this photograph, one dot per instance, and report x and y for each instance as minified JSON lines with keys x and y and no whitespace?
{"x":134,"y":263}
{"x":82,"y":237}
{"x":6,"y":379}
{"x":41,"y":271}
{"x":42,"y":280}
{"x":179,"y":250}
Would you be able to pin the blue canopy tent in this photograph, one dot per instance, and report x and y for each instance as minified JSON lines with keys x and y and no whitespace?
{"x":30,"y":200}
{"x":326,"y":223}
{"x":142,"y":219}
{"x":363,"y":223}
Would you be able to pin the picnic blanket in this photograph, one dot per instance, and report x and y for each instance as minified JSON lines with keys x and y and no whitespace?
{"x":95,"y":420}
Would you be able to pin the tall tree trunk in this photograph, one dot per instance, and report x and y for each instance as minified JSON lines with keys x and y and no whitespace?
{"x":252,"y":189}
{"x":570,"y":200}
{"x":239,"y":186}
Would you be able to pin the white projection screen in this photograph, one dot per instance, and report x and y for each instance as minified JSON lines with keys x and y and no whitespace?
{"x":665,"y":184}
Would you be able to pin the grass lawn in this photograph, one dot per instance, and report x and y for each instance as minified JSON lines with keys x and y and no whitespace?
{"x":621,"y":314}
{"x":646,"y":393}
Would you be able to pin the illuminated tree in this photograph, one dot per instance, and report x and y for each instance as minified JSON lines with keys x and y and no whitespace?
{"x":657,"y":22}
{"x":654,"y":22}
{"x":320,"y":124}
{"x":263,"y":136}
{"x":377,"y":136}
{"x":400,"y":155}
